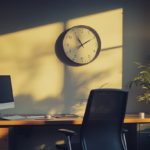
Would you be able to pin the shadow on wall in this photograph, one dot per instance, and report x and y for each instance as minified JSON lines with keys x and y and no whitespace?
{"x":22,"y":15}
{"x":41,"y":83}
{"x":72,"y":99}
{"x":25,"y":104}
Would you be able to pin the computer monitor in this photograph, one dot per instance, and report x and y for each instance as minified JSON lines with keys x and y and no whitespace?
{"x":6,"y":93}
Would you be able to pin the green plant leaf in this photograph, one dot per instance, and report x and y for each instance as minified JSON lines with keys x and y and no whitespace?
{"x":143,"y":80}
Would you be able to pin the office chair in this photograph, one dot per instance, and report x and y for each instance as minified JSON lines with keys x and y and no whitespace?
{"x":102,"y":122}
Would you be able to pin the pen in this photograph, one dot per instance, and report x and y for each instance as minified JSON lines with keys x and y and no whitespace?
{"x":43,"y":119}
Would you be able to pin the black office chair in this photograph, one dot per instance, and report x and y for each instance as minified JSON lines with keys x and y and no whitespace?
{"x":101,"y":128}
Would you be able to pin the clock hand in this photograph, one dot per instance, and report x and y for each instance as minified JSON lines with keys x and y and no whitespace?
{"x":78,"y":47}
{"x":86,"y":42}
{"x":79,"y":41}
{"x":83,"y":44}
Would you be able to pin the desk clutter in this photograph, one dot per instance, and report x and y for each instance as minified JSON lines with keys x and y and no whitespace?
{"x":65,"y":116}
{"x":22,"y":117}
{"x":39,"y":117}
{"x":15,"y":117}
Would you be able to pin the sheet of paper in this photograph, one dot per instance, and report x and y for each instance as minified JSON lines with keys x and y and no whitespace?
{"x":35,"y":116}
{"x":15,"y":117}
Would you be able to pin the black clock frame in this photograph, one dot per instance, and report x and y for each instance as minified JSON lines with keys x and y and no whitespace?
{"x":60,"y":51}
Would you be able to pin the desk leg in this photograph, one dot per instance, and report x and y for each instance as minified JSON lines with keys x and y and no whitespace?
{"x":7,"y":138}
{"x":4,"y":138}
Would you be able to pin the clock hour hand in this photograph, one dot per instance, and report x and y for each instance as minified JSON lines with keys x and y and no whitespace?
{"x":79,"y":41}
{"x":86,"y":42}
{"x":83,"y":44}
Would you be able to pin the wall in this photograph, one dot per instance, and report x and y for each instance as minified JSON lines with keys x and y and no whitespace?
{"x":135,"y":49}
{"x":42,"y":84}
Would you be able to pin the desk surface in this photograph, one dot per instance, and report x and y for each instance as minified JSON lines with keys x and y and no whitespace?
{"x":129,"y":118}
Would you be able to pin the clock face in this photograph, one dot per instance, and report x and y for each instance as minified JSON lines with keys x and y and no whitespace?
{"x":81,"y":44}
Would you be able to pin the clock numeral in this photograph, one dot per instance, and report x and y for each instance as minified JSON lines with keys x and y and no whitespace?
{"x":73,"y":29}
{"x":69,"y":51}
{"x":74,"y":57}
{"x":94,"y":51}
{"x":81,"y":58}
{"x":70,"y":37}
{"x":88,"y":32}
{"x":81,"y":30}
{"x":88,"y":56}
{"x":67,"y":44}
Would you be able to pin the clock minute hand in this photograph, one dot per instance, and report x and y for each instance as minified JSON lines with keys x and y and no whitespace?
{"x":86,"y":42}
{"x":79,"y":46}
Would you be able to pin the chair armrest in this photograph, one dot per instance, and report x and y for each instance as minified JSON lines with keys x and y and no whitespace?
{"x":124,"y":130}
{"x":67,"y":132}
{"x":124,"y":139}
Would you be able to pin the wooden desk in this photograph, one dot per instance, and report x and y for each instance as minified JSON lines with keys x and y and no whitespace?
{"x":131,"y":122}
{"x":134,"y":118}
{"x":129,"y":118}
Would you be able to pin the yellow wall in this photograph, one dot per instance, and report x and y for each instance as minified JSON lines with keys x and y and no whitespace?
{"x":29,"y":57}
{"x":41,"y":83}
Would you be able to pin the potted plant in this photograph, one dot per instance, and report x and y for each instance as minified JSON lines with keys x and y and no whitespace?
{"x":143,"y":80}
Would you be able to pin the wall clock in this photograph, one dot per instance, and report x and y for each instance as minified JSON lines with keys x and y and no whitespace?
{"x":81,"y":44}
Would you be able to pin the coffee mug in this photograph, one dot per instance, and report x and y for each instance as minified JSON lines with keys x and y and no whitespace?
{"x":48,"y":116}
{"x":141,"y":114}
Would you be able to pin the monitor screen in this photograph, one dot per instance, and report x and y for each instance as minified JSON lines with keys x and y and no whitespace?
{"x":6,"y":93}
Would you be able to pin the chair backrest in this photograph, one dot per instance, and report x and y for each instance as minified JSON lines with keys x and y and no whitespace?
{"x":103,"y":119}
